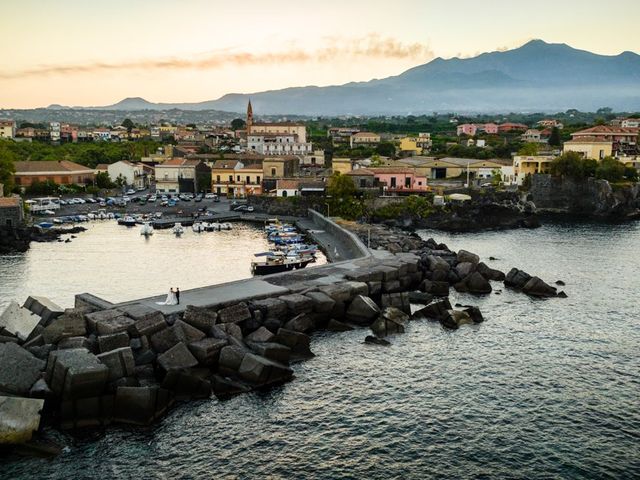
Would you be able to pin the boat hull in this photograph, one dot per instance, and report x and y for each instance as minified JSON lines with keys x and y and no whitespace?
{"x":263,"y":269}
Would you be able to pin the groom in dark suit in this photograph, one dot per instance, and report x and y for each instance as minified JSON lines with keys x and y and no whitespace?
{"x":178,"y":295}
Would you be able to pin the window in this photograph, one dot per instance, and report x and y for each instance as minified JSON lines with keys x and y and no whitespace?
{"x":258,"y":179}
{"x":238,"y":177}
{"x":248,"y":179}
{"x":407,"y":182}
{"x":393,"y":182}
{"x":273,"y":172}
{"x":231,"y":178}
{"x":363,"y":183}
{"x":284,"y":193}
{"x":218,"y":178}
{"x":8,"y":222}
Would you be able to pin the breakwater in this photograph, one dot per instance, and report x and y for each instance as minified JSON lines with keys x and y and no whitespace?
{"x":128,"y":363}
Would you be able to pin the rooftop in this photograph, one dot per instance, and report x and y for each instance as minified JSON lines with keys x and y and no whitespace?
{"x":49,"y":166}
{"x":607,"y":130}
{"x":9,"y":202}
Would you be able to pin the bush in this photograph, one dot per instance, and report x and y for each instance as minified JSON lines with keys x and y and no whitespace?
{"x":571,"y":164}
{"x":48,"y":187}
{"x":610,"y":169}
{"x":413,"y":206}
{"x":631,"y":174}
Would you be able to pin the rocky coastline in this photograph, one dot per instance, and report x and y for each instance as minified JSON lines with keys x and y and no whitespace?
{"x":90,"y":366}
{"x":16,"y":240}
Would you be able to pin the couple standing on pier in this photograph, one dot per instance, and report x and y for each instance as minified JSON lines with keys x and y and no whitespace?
{"x":173,"y":298}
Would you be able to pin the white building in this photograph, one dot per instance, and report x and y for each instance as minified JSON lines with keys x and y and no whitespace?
{"x":132,"y":173}
{"x":7,"y":129}
{"x":277,"y":144}
{"x":630,"y":123}
{"x":54,"y":131}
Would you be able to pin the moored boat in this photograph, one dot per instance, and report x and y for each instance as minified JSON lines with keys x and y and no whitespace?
{"x":276,"y":262}
{"x":198,"y":227}
{"x":127,"y":221}
{"x":146,"y":229}
{"x":178,"y":229}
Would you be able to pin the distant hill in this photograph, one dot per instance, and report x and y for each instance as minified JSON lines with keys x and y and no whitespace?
{"x":535,"y":77}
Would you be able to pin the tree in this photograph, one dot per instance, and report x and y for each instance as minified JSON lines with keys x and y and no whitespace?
{"x":104,"y":181}
{"x":128,"y":124}
{"x":121,"y":181}
{"x":7,"y":167}
{"x":238,"y":124}
{"x":554,"y":138}
{"x":631,"y":174}
{"x":528,"y":149}
{"x":386,"y":149}
{"x":342,"y":191}
{"x":610,"y":169}
{"x":571,"y":164}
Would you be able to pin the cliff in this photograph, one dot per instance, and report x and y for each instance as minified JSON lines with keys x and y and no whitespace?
{"x":584,"y":197}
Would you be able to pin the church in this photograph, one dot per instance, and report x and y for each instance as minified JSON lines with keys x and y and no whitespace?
{"x":282,"y":138}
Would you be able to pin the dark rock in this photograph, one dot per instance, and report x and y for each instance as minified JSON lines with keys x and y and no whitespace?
{"x":272,"y":324}
{"x":70,"y":324}
{"x":234,"y":314}
{"x":474,"y":283}
{"x":516,"y":278}
{"x":562,"y":295}
{"x":41,"y":351}
{"x":336,"y":326}
{"x":435,"y":310}
{"x":475,"y":314}
{"x":376,"y":341}
{"x":437,"y":263}
{"x":177,"y":356}
{"x":397,"y":300}
{"x":44,"y":308}
{"x":227,"y":330}
{"x":261,"y":371}
{"x":300,"y":323}
{"x":297,"y":303}
{"x":390,"y":321}
{"x":146,"y":357}
{"x":299,"y":343}
{"x":270,"y":307}
{"x":338,"y":292}
{"x":119,"y":361}
{"x":179,"y":332}
{"x":140,"y":405}
{"x":188,"y":383}
{"x":150,"y":324}
{"x":490,"y":273}
{"x":74,"y":342}
{"x":19,"y":369}
{"x":420,"y":297}
{"x":260,"y":335}
{"x":465,"y":256}
{"x":76,"y":373}
{"x":453,"y":319}
{"x":271,"y":350}
{"x":40,"y":389}
{"x":200,"y":317}
{"x":436,"y":288}
{"x":322,"y":302}
{"x":225,"y":387}
{"x":463,"y":269}
{"x":560,"y":283}
{"x":230,"y":358}
{"x":537,"y":288}
{"x":362,"y":310}
{"x":109,"y":321}
{"x":113,"y":341}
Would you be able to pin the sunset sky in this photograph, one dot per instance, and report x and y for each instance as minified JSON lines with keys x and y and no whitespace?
{"x":76,"y":52}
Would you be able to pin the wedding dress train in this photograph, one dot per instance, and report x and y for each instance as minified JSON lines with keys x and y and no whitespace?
{"x":170,"y":300}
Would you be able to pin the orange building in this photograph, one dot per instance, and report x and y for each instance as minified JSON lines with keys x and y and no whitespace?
{"x":61,"y":172}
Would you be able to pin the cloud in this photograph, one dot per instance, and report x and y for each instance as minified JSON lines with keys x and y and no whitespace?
{"x":370,"y":46}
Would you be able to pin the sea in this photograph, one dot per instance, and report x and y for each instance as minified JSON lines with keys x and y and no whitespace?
{"x":544,"y":388}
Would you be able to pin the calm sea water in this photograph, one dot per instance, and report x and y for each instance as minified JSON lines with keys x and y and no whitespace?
{"x":542,"y":389}
{"x":118,"y":264}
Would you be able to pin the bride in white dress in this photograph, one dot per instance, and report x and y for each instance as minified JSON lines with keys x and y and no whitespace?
{"x":171,"y":299}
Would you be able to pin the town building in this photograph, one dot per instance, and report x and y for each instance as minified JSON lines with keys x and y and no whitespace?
{"x":532,"y":136}
{"x":469,"y":129}
{"x":399,"y":180}
{"x":624,"y":140}
{"x":450,"y":167}
{"x":341,"y":134}
{"x":524,"y":165}
{"x":550,"y":123}
{"x":416,"y":145}
{"x":54,"y":131}
{"x":590,"y":147}
{"x":234,"y":179}
{"x":364,"y":179}
{"x":180,"y":175}
{"x":7,"y":129}
{"x":133,"y":174}
{"x":341,"y":165}
{"x":294,"y":187}
{"x":511,"y":127}
{"x":11,"y":211}
{"x":364,"y":139}
{"x":630,"y":123}
{"x":283,"y":138}
{"x":280,"y":167}
{"x":62,"y":172}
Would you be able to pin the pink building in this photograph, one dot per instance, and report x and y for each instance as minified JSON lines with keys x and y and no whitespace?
{"x":400,"y":179}
{"x":490,"y":128}
{"x":467,"y":129}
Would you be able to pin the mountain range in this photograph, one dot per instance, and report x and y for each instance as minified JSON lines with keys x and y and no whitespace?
{"x":537,"y":76}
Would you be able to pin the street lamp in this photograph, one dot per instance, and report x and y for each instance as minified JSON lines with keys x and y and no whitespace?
{"x":327,"y":210}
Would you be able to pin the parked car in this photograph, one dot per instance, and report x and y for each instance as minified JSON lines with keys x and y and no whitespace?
{"x":216,"y":198}
{"x":210,"y":196}
{"x":241,"y":208}
{"x":198,"y":198}
{"x":91,"y":200}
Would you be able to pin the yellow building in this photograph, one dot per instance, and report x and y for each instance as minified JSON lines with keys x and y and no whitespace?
{"x":280,"y":167}
{"x":524,"y":165}
{"x":590,"y":147}
{"x":341,"y":165}
{"x":364,"y":139}
{"x":416,"y":145}
{"x":450,"y":167}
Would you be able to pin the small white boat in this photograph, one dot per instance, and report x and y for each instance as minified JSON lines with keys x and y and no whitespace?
{"x":178,"y":229}
{"x":198,"y":227}
{"x":91,"y":216}
{"x":146,"y":229}
{"x":225,"y":226}
{"x":214,"y":227}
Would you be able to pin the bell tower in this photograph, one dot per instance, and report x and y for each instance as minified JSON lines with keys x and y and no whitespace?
{"x":249,"y":117}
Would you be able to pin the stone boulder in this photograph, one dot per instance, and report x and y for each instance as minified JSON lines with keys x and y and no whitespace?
{"x":300,"y":323}
{"x":234,"y":314}
{"x":260,"y":335}
{"x":225,"y":387}
{"x":474,"y":283}
{"x":475,"y":314}
{"x":179,"y":332}
{"x":18,"y":321}
{"x":207,"y":350}
{"x":297,"y":303}
{"x":362,"y":310}
{"x":113,"y":341}
{"x":490,"y":273}
{"x":140,"y":405}
{"x":435,"y":310}
{"x":149,"y":324}
{"x":465,"y":256}
{"x":19,"y":369}
{"x":200,"y":317}
{"x":437,"y":263}
{"x":435,"y":288}
{"x":420,"y":297}
{"x":299,"y":343}
{"x":119,"y":361}
{"x":188,"y":383}
{"x":516,"y":278}
{"x":230,"y":358}
{"x":390,"y":321}
{"x":271,"y":350}
{"x":177,"y":356}
{"x":322,"y":303}
{"x":70,"y":324}
{"x":19,"y":418}
{"x":376,"y":341}
{"x":109,"y":321}
{"x":76,"y":373}
{"x":270,"y":307}
{"x":398,"y":300}
{"x":454,"y":319}
{"x":261,"y":371}
{"x":464,"y":269}
{"x":46,"y":309}
{"x":537,"y":288}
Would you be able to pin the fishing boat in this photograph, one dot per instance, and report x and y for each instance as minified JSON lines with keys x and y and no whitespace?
{"x":146,"y":229}
{"x":127,"y":221}
{"x":198,"y":227}
{"x":299,"y":248}
{"x":178,"y":229}
{"x":213,"y":227}
{"x":225,"y":226}
{"x":45,"y":224}
{"x":286,"y":240}
{"x":276,"y":262}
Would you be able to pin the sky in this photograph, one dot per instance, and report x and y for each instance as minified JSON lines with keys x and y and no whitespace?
{"x":85,"y":52}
